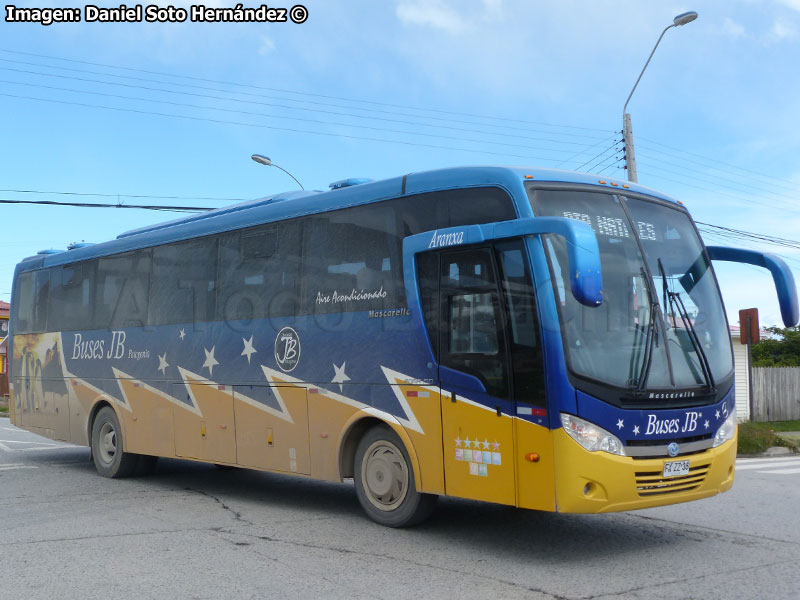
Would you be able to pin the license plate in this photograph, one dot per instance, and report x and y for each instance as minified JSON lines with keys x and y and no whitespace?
{"x":676,"y":468}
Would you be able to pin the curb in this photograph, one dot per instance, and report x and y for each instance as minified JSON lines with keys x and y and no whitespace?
{"x":775,"y":451}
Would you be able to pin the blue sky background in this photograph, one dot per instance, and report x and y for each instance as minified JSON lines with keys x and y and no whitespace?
{"x":449,"y":82}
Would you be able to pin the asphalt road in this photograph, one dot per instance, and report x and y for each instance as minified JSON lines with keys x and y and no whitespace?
{"x":193,"y":531}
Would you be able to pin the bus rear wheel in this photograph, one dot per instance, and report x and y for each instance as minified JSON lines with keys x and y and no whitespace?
{"x":109,"y":459}
{"x":384,"y":480}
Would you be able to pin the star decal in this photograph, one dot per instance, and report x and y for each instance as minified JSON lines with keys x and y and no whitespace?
{"x":496,"y":446}
{"x":467,"y":443}
{"x":340,"y":377}
{"x":458,"y":442}
{"x":476,"y":444}
{"x":248,"y":349}
{"x":210,"y":361}
{"x":716,"y":414}
{"x":163,"y":364}
{"x":485,"y":444}
{"x":182,"y":334}
{"x":635,"y":430}
{"x":620,"y":423}
{"x":706,"y":424}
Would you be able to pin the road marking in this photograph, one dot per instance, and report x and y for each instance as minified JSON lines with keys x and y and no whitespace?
{"x":32,"y":443}
{"x":40,"y":446}
{"x":752,"y":461}
{"x":762,"y":463}
{"x":13,"y":466}
{"x":781,"y":472}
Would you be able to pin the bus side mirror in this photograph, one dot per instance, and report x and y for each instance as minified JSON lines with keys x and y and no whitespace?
{"x":781,"y":275}
{"x":583,"y":253}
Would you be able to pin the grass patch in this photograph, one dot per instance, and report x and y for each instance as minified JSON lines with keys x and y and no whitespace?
{"x":783,"y":425}
{"x":755,"y":438}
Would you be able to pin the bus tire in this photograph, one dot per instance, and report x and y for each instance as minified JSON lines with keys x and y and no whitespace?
{"x":107,"y":444}
{"x":384,"y":480}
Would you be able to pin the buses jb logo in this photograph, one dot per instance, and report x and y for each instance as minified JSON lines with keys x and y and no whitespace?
{"x":287,"y":349}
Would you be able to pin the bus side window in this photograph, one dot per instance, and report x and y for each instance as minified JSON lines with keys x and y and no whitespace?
{"x":41,"y":290}
{"x":122,"y":287}
{"x":353,"y":261}
{"x":471,"y":335}
{"x":428,"y":275}
{"x":70,"y":307}
{"x":258,"y":274}
{"x":23,"y":304}
{"x":526,"y":352}
{"x":182,"y":284}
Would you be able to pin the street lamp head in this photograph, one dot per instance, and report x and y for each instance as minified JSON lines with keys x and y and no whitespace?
{"x":684,"y":18}
{"x":262,"y":160}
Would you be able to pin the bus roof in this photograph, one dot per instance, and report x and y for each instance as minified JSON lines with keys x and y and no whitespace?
{"x":300,"y":203}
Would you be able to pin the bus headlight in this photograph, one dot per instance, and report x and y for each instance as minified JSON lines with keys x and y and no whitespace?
{"x":590,"y":436}
{"x":727,"y":431}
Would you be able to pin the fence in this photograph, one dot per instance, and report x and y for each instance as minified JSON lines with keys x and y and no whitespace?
{"x":776,"y":393}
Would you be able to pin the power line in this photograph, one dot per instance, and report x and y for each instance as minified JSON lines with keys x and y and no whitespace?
{"x":684,"y":152}
{"x":284,"y":106}
{"x":284,"y":117}
{"x":603,"y":153}
{"x":753,"y":235}
{"x":99,"y":195}
{"x":603,"y":168}
{"x":603,"y":162}
{"x":104,"y":205}
{"x":729,"y":173}
{"x":742,"y":199}
{"x":275,"y":128}
{"x":588,"y":149}
{"x":715,"y":180}
{"x":250,"y":86}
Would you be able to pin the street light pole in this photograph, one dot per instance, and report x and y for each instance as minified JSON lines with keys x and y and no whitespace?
{"x":627,"y":130}
{"x":265,"y":160}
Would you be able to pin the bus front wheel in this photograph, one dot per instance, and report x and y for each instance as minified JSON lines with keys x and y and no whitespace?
{"x":384,"y":480}
{"x":109,"y":459}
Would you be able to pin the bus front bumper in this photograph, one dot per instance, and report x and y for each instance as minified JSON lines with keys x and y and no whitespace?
{"x":596,"y":482}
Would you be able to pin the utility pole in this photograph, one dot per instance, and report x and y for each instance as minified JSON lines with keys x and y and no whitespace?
{"x":627,"y":130}
{"x":630,"y":155}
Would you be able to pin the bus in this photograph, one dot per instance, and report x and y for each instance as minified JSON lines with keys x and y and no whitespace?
{"x":543,"y":339}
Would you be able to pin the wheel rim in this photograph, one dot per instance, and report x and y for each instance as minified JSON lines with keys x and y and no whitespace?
{"x":384,"y":475}
{"x":107,"y":443}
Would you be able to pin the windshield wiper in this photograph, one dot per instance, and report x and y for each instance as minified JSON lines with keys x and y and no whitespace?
{"x":677,"y":305}
{"x":651,"y":337}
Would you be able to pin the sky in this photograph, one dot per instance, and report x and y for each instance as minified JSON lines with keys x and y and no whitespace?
{"x":366,"y":88}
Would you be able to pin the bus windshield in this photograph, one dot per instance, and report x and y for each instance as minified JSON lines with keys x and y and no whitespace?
{"x":661,"y":325}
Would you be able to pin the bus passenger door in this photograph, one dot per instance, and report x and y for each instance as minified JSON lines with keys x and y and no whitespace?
{"x":463,"y":315}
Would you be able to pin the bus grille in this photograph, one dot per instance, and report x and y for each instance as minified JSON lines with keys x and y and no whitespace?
{"x":653,"y":483}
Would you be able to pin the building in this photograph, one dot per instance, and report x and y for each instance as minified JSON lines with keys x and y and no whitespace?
{"x":5,"y":310}
{"x":742,"y":385}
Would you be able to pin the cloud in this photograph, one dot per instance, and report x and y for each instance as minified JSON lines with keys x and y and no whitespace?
{"x":445,"y":15}
{"x":782,"y":30}
{"x":266,"y":46}
{"x":732,"y":28}
{"x":434,"y":14}
{"x":793,"y":4}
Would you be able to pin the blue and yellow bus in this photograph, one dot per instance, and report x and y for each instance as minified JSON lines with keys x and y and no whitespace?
{"x":542,"y":339}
